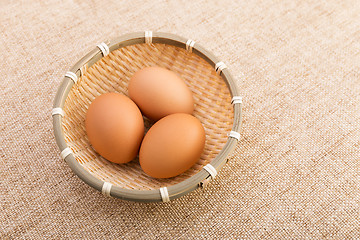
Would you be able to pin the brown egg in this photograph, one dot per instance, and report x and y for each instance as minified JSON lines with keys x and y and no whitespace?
{"x":114,"y":126}
{"x":159,"y":92}
{"x":172,"y":145}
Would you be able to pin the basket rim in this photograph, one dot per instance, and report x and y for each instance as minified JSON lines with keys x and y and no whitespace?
{"x":154,"y":195}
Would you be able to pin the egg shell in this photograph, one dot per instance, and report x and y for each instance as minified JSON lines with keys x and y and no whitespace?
{"x":172,"y":145}
{"x":159,"y":92}
{"x":115,"y":127}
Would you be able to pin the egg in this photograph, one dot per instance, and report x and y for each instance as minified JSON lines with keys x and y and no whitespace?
{"x":172,"y":145}
{"x":159,"y":92}
{"x":115,"y":127}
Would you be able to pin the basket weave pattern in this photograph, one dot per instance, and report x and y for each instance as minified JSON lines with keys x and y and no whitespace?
{"x":112,"y":74}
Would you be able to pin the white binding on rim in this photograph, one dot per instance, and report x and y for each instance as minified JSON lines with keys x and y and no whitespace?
{"x":106,"y":189}
{"x":219,"y":67}
{"x":57,"y":111}
{"x":148,"y":37}
{"x":236,"y":99}
{"x":235,"y":135}
{"x":104,"y":49}
{"x":66,"y":152}
{"x":164,"y":194}
{"x":72,"y":76}
{"x":211,"y":170}
{"x":83,"y":69}
{"x":189,"y":45}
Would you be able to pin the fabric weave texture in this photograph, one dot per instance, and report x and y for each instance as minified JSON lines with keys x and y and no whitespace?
{"x":295,"y":173}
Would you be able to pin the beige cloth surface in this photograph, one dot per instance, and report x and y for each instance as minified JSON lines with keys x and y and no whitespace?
{"x":295,"y":172}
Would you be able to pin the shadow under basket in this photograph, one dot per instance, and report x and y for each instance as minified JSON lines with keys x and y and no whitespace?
{"x":108,"y":68}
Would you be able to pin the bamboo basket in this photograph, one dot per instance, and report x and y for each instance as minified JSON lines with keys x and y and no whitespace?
{"x":108,"y":68}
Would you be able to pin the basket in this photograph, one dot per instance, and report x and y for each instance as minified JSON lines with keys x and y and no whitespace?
{"x":108,"y":68}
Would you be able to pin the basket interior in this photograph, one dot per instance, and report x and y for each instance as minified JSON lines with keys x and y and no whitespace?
{"x":112,"y":73}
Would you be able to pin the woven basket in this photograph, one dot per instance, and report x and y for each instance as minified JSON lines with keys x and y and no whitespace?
{"x":108,"y":68}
